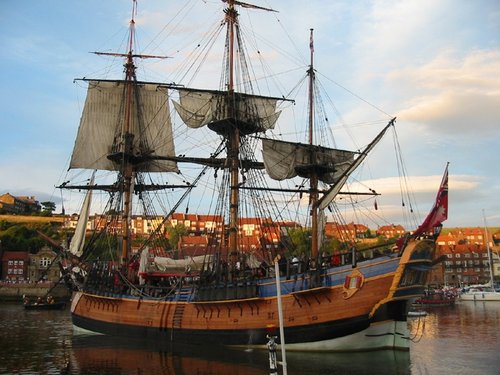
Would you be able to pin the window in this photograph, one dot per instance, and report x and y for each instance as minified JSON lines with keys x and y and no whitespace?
{"x":16,"y":263}
{"x":449,"y":255}
{"x":467,"y":255}
{"x":11,"y":262}
{"x":476,"y":255}
{"x":457,"y":255}
{"x":248,"y":229}
{"x":21,"y":262}
{"x":44,"y":262}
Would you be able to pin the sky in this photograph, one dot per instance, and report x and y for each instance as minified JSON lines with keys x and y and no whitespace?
{"x":433,"y":64}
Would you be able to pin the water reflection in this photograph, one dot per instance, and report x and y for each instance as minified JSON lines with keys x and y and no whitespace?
{"x":463,"y":339}
{"x":93,"y":355}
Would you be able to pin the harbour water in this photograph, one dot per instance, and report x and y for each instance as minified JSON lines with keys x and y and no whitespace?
{"x":461,"y":339}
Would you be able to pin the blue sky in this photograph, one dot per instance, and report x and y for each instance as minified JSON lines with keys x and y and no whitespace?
{"x":433,"y":64}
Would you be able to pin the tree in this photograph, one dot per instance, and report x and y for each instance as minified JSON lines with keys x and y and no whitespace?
{"x":48,"y":207}
{"x":301,"y":240}
{"x":25,"y":237}
{"x":175,"y":234}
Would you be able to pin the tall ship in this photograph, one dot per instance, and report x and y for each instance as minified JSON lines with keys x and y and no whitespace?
{"x":233,"y":293}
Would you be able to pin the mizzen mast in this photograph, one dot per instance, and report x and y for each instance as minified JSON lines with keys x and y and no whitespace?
{"x":313,"y":197}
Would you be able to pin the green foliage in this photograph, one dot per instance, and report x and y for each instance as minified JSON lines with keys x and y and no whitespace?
{"x":105,"y":247}
{"x":4,"y":225}
{"x":300,"y":240}
{"x":175,"y":234}
{"x":47,"y":208}
{"x":25,"y":237}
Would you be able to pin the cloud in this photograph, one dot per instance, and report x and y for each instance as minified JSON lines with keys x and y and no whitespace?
{"x":458,"y":95}
{"x":418,"y":184}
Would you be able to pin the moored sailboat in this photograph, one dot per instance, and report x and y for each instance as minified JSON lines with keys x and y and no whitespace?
{"x":483,"y":292}
{"x":228,"y":296}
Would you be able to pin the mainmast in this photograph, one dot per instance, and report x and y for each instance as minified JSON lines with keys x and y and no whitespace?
{"x":313,"y":197}
{"x":233,"y":137}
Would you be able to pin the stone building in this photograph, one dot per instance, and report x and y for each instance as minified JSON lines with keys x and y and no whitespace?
{"x":41,"y":267}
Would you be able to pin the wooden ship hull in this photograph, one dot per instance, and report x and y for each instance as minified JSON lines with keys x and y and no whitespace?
{"x":370,"y":299}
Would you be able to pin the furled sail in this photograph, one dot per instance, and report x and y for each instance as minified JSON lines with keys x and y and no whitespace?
{"x":101,"y":127}
{"x":284,"y":160}
{"x":78,"y":239}
{"x":194,"y":263}
{"x":330,"y":195}
{"x":200,"y":108}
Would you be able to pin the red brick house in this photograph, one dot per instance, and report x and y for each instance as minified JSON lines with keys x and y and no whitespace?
{"x":15,"y":265}
{"x":346,"y":232}
{"x":391,"y":231}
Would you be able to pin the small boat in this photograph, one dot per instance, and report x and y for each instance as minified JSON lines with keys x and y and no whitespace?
{"x":412,"y":314}
{"x":45,"y":306}
{"x":437,"y":297}
{"x":480,"y":294}
{"x":486,"y":292}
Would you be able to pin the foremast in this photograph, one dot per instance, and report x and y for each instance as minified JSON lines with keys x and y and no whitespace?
{"x":112,"y":134}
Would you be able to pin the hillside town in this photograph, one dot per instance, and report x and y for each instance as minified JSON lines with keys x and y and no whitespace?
{"x":463,"y":251}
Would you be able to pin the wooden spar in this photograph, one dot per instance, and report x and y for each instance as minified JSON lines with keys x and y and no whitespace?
{"x":314,"y":176}
{"x":127,"y":139}
{"x":233,"y":141}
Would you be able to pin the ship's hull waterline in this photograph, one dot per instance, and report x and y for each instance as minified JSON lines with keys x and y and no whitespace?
{"x":326,"y":318}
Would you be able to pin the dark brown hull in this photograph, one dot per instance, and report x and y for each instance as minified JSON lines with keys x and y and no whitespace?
{"x":314,"y":315}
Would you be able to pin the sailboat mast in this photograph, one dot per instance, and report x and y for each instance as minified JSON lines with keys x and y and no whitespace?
{"x":233,"y":140}
{"x":128,"y":141}
{"x":314,"y":177}
{"x":490,"y":257}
